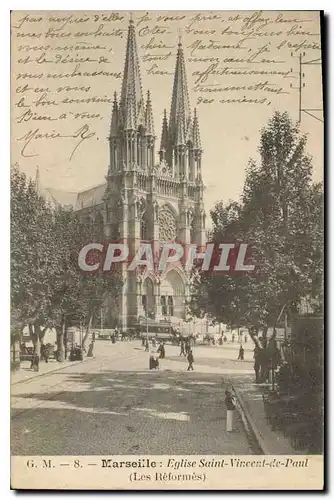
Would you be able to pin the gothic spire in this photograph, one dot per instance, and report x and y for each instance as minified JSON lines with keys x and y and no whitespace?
{"x":114,"y":118}
{"x":131,"y":102}
{"x":180,"y":109}
{"x":164,"y":133}
{"x":180,"y":137}
{"x":149,"y":116}
{"x":195,"y":136}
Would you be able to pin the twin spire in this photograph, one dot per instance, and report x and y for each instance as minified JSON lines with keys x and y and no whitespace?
{"x":131,"y":112}
{"x":180,"y":119}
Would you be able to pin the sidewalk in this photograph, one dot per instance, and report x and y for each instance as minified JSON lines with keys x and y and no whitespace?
{"x":25,"y":373}
{"x":249,"y":396}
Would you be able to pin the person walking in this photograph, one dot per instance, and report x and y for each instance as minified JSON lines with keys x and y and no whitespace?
{"x":161,"y":350}
{"x":230,"y":407}
{"x":241,"y":353}
{"x":147,"y":347}
{"x":90,"y":350}
{"x":182,"y":351}
{"x":190,"y":359}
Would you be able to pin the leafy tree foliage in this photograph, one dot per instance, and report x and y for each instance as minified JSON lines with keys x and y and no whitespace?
{"x":48,"y":289}
{"x":281,"y":215}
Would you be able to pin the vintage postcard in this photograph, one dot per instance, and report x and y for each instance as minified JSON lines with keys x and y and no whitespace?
{"x":167,"y":250}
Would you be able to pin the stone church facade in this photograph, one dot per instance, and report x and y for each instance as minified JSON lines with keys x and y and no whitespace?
{"x":152,"y":195}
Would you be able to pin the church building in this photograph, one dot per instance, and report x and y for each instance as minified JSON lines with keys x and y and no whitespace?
{"x":152,"y":193}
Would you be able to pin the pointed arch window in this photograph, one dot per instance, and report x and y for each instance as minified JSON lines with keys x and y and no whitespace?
{"x":144,"y":303}
{"x":193,"y":230}
{"x":144,"y":228}
{"x":163,"y":305}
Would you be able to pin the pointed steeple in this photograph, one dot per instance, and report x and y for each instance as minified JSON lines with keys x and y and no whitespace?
{"x":180,"y":137}
{"x":180,"y":109}
{"x":131,"y":102}
{"x":195,"y":136}
{"x":149,"y":126}
{"x":114,"y":118}
{"x":37,"y":181}
{"x":164,"y":133}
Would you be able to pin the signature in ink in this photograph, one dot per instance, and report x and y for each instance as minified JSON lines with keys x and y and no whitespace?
{"x":28,"y":139}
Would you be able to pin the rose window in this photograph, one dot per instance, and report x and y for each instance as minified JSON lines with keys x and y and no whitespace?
{"x":167,"y":226}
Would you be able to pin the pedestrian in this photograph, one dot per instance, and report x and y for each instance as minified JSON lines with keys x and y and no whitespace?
{"x":246,"y":338}
{"x":90,"y":350}
{"x":230,"y":407}
{"x":225,"y":339}
{"x":182,"y":351}
{"x":161,"y":350}
{"x":233,"y":338}
{"x":147,"y":347}
{"x":187,"y":347}
{"x":241,"y":353}
{"x":153,"y":358}
{"x":190,"y":359}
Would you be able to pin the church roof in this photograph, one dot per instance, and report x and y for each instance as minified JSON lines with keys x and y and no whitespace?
{"x":58,"y":197}
{"x":89,"y":197}
{"x":75,"y":200}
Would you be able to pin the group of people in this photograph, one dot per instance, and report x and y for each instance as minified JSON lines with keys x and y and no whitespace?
{"x":155,"y":354}
{"x":160,"y":353}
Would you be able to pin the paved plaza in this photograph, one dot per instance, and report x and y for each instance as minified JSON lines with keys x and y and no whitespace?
{"x":113,"y":404}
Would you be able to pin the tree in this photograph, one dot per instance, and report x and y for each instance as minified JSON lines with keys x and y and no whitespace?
{"x":77,"y":296}
{"x":280,"y":214}
{"x":48,"y":289}
{"x":32,"y":259}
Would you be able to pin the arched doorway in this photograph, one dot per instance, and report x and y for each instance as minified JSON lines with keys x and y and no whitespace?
{"x":172,"y":295}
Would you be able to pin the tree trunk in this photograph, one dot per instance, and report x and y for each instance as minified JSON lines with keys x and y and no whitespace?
{"x":42,"y":332}
{"x":254,"y":335}
{"x":88,"y":327}
{"x":34,"y":332}
{"x":15,"y":350}
{"x":65,"y":342}
{"x":37,"y":347}
{"x":60,"y":343}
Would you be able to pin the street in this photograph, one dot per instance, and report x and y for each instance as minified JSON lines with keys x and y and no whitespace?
{"x":112,"y":404}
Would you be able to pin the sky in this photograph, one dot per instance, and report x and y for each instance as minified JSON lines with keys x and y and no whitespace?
{"x":230,"y":132}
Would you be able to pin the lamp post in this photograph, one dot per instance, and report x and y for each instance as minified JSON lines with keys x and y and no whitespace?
{"x":146,"y":326}
{"x":101,"y":319}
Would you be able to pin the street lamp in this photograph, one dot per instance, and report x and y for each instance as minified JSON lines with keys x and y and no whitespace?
{"x":147,"y":326}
